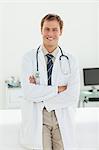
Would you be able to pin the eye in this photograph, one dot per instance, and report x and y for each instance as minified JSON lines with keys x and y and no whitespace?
{"x":47,"y":29}
{"x":55,"y":29}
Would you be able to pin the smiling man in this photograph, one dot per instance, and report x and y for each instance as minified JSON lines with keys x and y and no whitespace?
{"x":50,"y":82}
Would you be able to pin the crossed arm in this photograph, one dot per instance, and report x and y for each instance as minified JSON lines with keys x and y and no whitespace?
{"x":53,"y":96}
{"x":32,"y":80}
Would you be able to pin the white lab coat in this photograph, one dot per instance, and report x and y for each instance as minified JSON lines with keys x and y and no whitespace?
{"x":38,"y":96}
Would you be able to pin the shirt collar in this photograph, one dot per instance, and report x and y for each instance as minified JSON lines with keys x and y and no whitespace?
{"x":54,"y":53}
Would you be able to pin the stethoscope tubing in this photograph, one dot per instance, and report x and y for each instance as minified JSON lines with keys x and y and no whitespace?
{"x":62,"y":55}
{"x":37,"y":57}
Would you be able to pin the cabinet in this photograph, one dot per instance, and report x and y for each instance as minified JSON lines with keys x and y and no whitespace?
{"x":13,"y":97}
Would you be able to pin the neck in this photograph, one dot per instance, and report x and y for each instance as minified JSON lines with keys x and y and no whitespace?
{"x":50,"y":49}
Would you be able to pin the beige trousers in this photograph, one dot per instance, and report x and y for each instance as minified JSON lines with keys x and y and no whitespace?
{"x":51,"y":134}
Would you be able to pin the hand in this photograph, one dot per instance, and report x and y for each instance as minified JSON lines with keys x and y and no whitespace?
{"x":62,"y":88}
{"x":32,"y":79}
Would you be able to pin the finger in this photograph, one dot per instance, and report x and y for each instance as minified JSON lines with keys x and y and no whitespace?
{"x":32,"y":81}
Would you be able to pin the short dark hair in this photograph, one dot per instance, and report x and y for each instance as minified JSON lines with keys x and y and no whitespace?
{"x":50,"y":17}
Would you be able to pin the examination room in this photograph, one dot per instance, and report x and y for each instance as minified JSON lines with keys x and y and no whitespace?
{"x":21,"y":32}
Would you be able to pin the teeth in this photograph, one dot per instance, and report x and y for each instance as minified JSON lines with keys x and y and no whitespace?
{"x":50,"y":38}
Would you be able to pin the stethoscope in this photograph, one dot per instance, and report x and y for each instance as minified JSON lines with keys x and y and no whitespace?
{"x":64,"y":58}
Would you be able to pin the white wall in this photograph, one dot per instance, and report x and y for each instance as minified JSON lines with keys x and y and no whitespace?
{"x":1,"y":65}
{"x":98,"y":31}
{"x":21,"y":32}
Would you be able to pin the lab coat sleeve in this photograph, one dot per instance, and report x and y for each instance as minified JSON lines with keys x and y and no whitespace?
{"x":33,"y":92}
{"x":69,"y":97}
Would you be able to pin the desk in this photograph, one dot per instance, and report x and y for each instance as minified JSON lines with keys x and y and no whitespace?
{"x":86,"y":96}
{"x":13,"y":97}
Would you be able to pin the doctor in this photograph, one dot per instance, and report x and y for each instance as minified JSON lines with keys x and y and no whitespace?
{"x":50,"y":82}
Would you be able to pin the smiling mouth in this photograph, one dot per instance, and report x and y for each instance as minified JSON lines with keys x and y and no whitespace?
{"x":50,"y":39}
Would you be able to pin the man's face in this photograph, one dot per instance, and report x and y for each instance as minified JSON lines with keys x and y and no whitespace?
{"x":51,"y":33}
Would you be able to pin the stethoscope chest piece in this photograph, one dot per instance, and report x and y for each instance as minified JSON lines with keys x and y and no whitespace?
{"x":37,"y":76}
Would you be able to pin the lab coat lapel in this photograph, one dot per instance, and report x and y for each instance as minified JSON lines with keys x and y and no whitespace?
{"x":56,"y":69}
{"x":42,"y":68}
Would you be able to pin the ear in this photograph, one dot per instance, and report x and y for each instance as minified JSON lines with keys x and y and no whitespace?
{"x":61,"y":32}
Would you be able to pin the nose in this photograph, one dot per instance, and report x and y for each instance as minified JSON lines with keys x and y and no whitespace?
{"x":50,"y":33}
